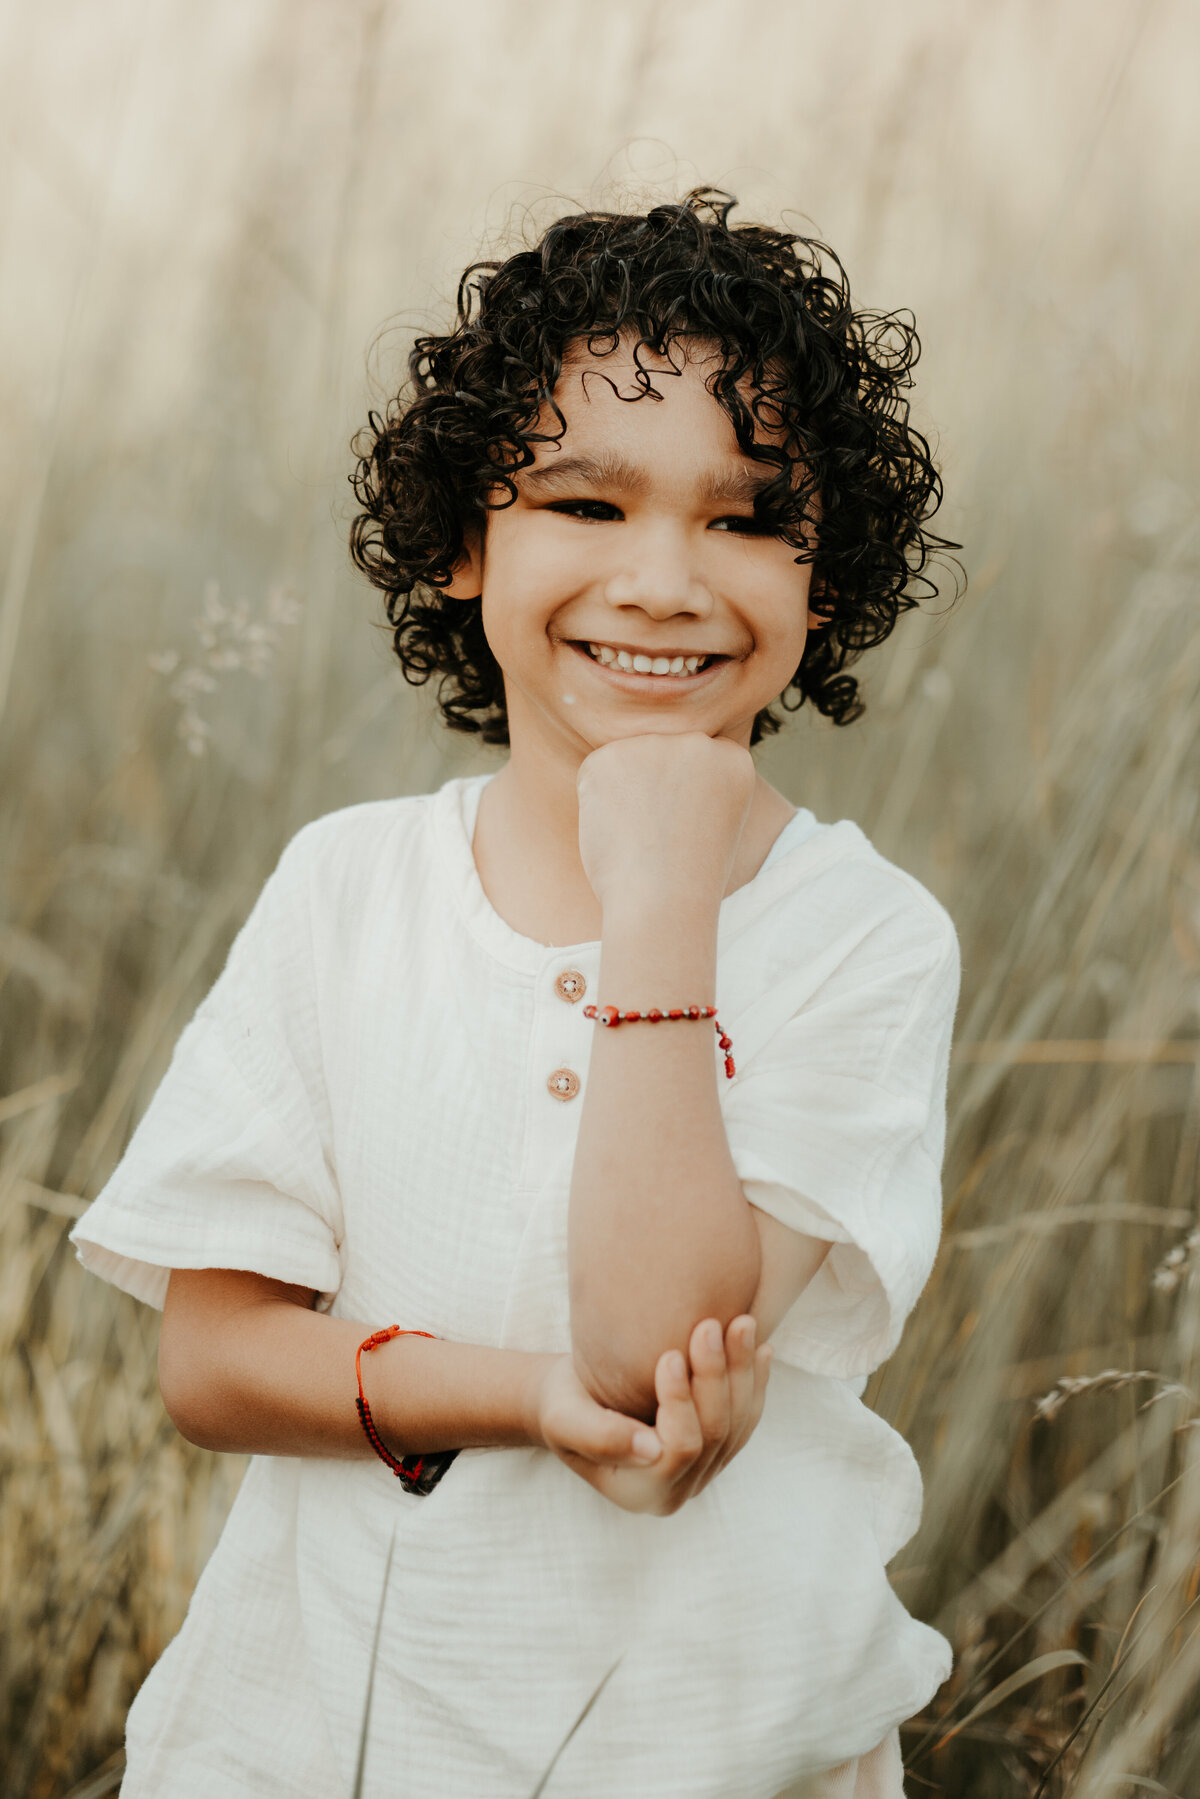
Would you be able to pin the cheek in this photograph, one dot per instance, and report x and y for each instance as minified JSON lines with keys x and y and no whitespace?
{"x":522,"y":589}
{"x":783,"y":610}
{"x":535,"y":568}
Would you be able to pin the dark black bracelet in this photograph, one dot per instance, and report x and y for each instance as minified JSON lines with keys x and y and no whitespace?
{"x":416,"y":1473}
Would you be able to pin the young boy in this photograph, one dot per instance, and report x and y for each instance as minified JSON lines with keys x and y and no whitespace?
{"x":658,"y":475}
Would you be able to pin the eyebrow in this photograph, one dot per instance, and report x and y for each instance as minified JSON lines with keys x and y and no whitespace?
{"x":569,"y":473}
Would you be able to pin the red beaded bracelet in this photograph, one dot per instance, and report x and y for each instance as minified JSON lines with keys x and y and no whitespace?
{"x":612,"y":1015}
{"x":416,"y":1473}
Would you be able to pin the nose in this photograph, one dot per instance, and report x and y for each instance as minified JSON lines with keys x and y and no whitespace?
{"x":660,"y":580}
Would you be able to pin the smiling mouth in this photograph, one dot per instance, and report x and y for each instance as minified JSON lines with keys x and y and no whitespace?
{"x":641,"y":662}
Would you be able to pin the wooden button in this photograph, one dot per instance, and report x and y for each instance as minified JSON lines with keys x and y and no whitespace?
{"x":570,"y":985}
{"x":564,"y":1083}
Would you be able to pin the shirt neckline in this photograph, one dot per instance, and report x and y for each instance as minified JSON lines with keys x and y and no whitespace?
{"x":456,"y":805}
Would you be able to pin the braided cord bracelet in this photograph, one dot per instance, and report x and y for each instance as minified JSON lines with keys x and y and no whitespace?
{"x":416,"y":1473}
{"x":612,"y":1015}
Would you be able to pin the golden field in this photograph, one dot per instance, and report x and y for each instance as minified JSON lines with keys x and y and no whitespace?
{"x":207,"y":217}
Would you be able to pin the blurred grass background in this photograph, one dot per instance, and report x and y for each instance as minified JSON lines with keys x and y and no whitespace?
{"x":206,"y":215}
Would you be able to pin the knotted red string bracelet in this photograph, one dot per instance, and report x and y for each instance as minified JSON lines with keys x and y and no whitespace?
{"x":612,"y":1015}
{"x":416,"y":1473}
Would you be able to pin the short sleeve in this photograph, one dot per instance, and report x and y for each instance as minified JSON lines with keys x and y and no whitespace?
{"x":230,"y":1166}
{"x":837,"y":1127}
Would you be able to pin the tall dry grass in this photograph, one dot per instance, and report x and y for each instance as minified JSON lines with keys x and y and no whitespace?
{"x":205,"y":215}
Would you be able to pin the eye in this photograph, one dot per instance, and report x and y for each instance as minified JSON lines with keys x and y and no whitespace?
{"x":589,"y":511}
{"x":745,"y":524}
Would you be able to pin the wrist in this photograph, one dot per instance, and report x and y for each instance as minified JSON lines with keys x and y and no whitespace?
{"x":530,"y":1397}
{"x":666,"y":960}
{"x":647,"y":906}
{"x":674,"y":933}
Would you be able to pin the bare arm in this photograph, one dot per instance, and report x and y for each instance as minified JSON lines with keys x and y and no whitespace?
{"x":660,"y":1232}
{"x":789,"y":1261}
{"x":246,"y":1365}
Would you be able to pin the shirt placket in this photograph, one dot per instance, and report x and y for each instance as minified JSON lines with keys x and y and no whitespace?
{"x":560,"y":1050}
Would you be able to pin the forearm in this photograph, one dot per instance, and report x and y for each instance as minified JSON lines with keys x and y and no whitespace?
{"x":660,"y":1233}
{"x":245,"y":1368}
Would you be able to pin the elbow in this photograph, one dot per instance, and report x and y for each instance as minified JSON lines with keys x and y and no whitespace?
{"x":184,"y":1413}
{"x":615,"y":1356}
{"x":188,"y":1393}
{"x":624,"y":1319}
{"x":618,"y":1366}
{"x":625,"y":1386}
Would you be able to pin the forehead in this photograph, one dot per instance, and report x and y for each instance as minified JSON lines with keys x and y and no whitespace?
{"x":647,"y":414}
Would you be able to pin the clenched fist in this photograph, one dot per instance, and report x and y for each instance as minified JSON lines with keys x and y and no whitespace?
{"x":662,"y":815}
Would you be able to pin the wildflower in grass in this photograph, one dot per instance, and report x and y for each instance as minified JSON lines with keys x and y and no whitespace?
{"x":1176,"y":1264}
{"x":232,"y":638}
{"x":1109,"y":1380}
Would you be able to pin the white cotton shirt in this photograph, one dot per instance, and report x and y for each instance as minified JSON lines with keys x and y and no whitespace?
{"x":361,"y":1106}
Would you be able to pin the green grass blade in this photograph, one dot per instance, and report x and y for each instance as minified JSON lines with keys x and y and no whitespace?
{"x":540,"y":1788}
{"x":360,"y":1768}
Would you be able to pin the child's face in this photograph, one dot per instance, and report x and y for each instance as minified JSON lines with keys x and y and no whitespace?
{"x":636,"y":539}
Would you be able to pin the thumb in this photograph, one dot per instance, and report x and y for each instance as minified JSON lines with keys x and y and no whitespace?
{"x":616,"y":1440}
{"x":626,"y":1440}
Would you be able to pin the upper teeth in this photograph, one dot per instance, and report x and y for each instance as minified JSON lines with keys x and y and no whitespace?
{"x":645,"y":665}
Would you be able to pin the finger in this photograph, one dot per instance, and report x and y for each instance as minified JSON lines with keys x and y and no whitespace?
{"x":740,"y":1344}
{"x":763,"y":1358}
{"x":710,"y":1389}
{"x":676,"y":1423}
{"x":739,"y":1360}
{"x":613,"y":1440}
{"x":760,"y":1372}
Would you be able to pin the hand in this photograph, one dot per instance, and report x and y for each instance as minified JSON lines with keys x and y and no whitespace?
{"x":582,"y":1431}
{"x":703,"y":1420}
{"x":663,"y":814}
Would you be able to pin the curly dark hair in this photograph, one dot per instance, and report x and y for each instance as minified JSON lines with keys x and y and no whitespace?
{"x":828,"y":380}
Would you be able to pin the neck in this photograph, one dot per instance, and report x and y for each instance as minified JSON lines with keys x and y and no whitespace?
{"x":526,"y":847}
{"x":539,"y":798}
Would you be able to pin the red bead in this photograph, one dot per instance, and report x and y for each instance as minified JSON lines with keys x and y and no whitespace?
{"x":654,"y":1015}
{"x":725,"y":1042}
{"x":589,"y":1011}
{"x":675,"y":1012}
{"x":710,"y":1011}
{"x":610,"y":1015}
{"x":730,"y":1070}
{"x":632,"y":1017}
{"x":693,"y":1011}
